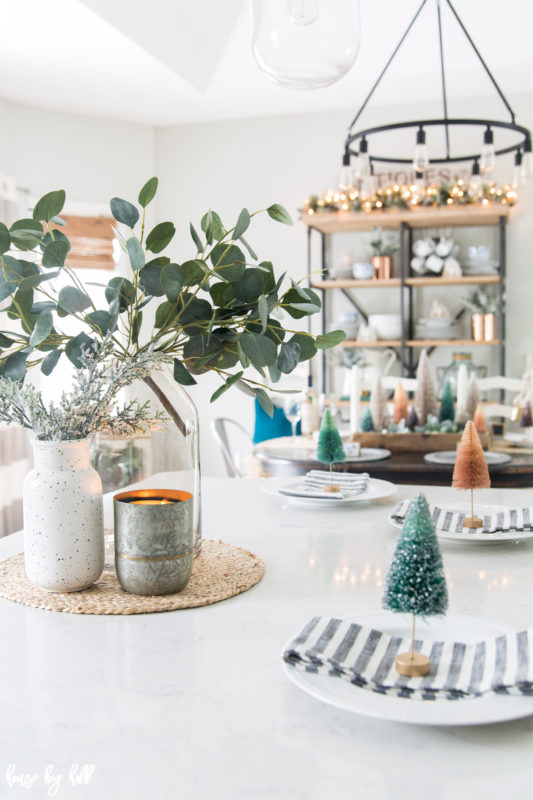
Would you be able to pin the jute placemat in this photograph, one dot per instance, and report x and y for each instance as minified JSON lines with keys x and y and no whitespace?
{"x":220,"y":571}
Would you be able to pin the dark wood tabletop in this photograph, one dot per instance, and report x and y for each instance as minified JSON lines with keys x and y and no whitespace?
{"x":403,"y":467}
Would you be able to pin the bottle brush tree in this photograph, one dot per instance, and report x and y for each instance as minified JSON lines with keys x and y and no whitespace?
{"x":378,"y":406}
{"x":416,"y":583}
{"x":447,"y":410}
{"x":526,"y":420}
{"x":330,"y":449}
{"x":479,"y":420}
{"x":412,"y":418}
{"x":472,"y":397}
{"x":471,"y":471}
{"x":425,"y":395}
{"x":400,"y":403}
{"x":367,"y":423}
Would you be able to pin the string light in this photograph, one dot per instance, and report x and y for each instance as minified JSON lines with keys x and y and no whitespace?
{"x":416,"y":195}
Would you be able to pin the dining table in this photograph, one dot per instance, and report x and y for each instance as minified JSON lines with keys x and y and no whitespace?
{"x":197,"y":703}
{"x":290,"y":456}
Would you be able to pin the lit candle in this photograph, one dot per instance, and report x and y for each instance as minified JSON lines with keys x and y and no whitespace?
{"x":355,"y":396}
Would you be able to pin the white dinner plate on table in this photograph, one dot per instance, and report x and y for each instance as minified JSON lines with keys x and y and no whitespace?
{"x":484,"y":710}
{"x":473,"y":536}
{"x":376,"y":490}
{"x":449,"y":457}
{"x":519,"y":439}
{"x":366,"y":454}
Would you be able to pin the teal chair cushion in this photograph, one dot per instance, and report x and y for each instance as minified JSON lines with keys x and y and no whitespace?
{"x":271,"y":427}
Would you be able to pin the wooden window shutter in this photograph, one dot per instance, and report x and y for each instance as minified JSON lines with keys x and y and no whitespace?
{"x":91,"y":240}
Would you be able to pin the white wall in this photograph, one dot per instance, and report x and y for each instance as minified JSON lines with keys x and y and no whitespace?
{"x":225,"y":166}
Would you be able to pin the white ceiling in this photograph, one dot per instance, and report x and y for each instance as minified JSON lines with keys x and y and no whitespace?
{"x":174,"y":61}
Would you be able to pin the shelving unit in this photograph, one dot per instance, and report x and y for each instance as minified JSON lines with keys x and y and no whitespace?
{"x":327,"y":224}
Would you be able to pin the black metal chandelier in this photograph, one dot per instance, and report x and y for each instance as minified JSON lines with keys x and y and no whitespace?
{"x":359,"y":158}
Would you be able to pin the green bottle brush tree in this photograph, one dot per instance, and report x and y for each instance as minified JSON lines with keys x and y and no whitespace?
{"x":330,"y":449}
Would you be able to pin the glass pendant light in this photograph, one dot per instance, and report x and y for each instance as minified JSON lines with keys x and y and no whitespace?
{"x":346,"y":181}
{"x":421,"y":160}
{"x":476,"y":186}
{"x":418,"y":188}
{"x":362,"y":165}
{"x":488,"y":154}
{"x":305,"y":44}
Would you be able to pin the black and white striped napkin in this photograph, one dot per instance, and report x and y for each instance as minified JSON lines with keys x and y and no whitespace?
{"x":511,"y":519}
{"x":366,"y":658}
{"x":315,"y":481}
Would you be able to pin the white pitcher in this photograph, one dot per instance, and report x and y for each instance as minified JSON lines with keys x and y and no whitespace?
{"x":378,"y":364}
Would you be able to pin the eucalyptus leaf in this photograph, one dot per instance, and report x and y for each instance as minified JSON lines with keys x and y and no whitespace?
{"x":165,"y":314}
{"x":5,"y":240}
{"x":171,"y":279}
{"x":160,"y":236}
{"x":135,"y":253}
{"x":182,"y":374}
{"x":75,"y":346}
{"x":243,"y":223}
{"x":196,"y":239}
{"x":73,"y":300}
{"x":193,"y":271}
{"x":245,"y":389}
{"x":280,"y":214}
{"x":121,"y":288}
{"x":227,"y":385}
{"x":5,"y":341}
{"x":56,"y":236}
{"x":50,"y":362}
{"x":25,"y":240}
{"x":43,"y":328}
{"x":102,"y":320}
{"x":147,"y":193}
{"x":262,"y":310}
{"x":15,"y":366}
{"x":124,"y":212}
{"x":136,"y":326}
{"x":49,"y":205}
{"x":212,"y":227}
{"x":306,"y":344}
{"x":54,"y":254}
{"x":249,"y":288}
{"x":228,"y":262}
{"x":330,"y":339}
{"x":259,"y":349}
{"x":150,"y":280}
{"x":289,"y":356}
{"x":264,"y":401}
{"x":43,"y":306}
{"x":274,"y":372}
{"x":248,"y":247}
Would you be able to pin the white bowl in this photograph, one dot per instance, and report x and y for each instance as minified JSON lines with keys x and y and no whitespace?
{"x":386,"y":326}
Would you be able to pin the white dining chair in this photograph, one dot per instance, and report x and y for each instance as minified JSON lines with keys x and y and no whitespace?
{"x":219,"y":428}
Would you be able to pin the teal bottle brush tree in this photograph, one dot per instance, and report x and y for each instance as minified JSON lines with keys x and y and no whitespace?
{"x":416,"y":583}
{"x":330,"y":450}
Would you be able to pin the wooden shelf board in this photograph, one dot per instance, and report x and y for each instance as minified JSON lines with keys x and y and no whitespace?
{"x":418,"y":343}
{"x":465,"y":280}
{"x":351,"y":283}
{"x":445,"y":342}
{"x":347,"y":222}
{"x":379,"y":343}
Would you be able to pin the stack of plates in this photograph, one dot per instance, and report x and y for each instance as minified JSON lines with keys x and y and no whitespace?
{"x":437,"y":328}
{"x":480,"y":267}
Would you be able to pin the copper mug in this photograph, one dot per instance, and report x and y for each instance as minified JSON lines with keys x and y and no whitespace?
{"x":382,"y":267}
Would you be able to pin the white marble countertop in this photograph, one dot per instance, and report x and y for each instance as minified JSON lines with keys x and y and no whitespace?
{"x":194,"y":704}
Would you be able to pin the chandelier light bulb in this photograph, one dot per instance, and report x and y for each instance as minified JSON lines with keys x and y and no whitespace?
{"x":476,"y":186}
{"x":421,"y":160}
{"x":346,"y":181}
{"x":518,"y":172}
{"x":303,"y":12}
{"x":362,"y":164}
{"x":488,"y":153}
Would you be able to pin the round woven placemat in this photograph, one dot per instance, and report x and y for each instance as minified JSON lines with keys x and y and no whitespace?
{"x":220,"y":571}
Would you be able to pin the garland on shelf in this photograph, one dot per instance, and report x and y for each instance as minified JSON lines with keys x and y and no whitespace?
{"x":410,"y":196}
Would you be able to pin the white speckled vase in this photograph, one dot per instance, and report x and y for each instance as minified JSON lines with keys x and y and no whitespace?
{"x":63,"y":518}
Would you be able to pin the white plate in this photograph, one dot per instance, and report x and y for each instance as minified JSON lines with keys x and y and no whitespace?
{"x":519,"y":439}
{"x":367,"y":454}
{"x":449,"y":457}
{"x":375,"y":490}
{"x":499,"y":537}
{"x":483,"y":710}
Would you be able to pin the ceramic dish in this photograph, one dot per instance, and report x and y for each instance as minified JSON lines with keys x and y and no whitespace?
{"x":475,"y":537}
{"x":483,"y":710}
{"x":375,"y":490}
{"x":449,"y":457}
{"x":367,"y":454}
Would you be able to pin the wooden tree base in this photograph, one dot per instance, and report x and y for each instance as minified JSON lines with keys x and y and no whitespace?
{"x":472,"y":522}
{"x":414,"y":665}
{"x":332,"y":488}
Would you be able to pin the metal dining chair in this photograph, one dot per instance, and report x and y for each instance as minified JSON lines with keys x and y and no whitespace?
{"x":219,"y":428}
